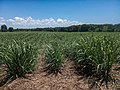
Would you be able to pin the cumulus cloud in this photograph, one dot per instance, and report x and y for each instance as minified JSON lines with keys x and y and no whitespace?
{"x":30,"y":22}
{"x":2,"y":21}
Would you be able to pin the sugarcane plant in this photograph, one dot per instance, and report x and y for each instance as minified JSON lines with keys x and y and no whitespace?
{"x":19,"y":58}
{"x":54,"y":57}
{"x":96,"y":55}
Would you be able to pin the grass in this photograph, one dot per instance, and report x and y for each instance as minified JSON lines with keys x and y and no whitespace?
{"x":95,"y":56}
{"x":19,"y":58}
{"x":94,"y":53}
{"x":54,"y":57}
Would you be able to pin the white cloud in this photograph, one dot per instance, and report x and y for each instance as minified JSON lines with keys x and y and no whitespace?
{"x":61,"y":20}
{"x":2,"y":21}
{"x":29,"y":22}
{"x":19,"y":19}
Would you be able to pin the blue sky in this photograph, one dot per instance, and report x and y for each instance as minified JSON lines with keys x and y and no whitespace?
{"x":48,"y":13}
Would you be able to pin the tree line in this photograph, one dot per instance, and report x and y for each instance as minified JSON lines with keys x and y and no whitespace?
{"x":74,"y":28}
{"x":5,"y":29}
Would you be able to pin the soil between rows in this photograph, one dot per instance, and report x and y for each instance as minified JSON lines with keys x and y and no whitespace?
{"x":41,"y":80}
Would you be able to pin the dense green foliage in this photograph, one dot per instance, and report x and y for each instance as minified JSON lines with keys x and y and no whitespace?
{"x":54,"y":57}
{"x":80,"y":28}
{"x":3,"y":28}
{"x":10,"y":29}
{"x":19,"y":58}
{"x":93,"y":52}
{"x":74,"y":28}
{"x":96,"y":55}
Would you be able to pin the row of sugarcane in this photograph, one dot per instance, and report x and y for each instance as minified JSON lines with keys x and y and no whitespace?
{"x":94,"y":56}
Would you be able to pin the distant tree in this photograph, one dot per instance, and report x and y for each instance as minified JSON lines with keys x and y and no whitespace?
{"x":78,"y":28}
{"x":3,"y":28}
{"x":97,"y":30}
{"x":84,"y":28}
{"x":105,"y":28}
{"x":10,"y":29}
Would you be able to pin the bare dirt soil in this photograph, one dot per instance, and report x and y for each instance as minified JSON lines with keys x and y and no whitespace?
{"x":67,"y":80}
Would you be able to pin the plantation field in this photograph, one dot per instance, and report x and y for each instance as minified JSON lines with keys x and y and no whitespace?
{"x":92,"y":55}
{"x":41,"y":39}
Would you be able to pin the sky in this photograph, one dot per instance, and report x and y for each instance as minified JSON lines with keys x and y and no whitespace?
{"x":55,"y":13}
